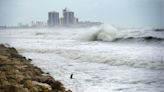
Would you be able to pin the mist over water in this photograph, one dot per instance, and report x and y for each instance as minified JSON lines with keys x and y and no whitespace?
{"x":102,"y":59}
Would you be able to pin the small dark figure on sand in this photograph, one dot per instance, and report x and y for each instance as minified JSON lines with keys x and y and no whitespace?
{"x":71,"y":77}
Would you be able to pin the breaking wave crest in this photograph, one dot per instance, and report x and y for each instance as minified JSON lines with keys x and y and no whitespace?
{"x":145,"y":39}
{"x":104,"y":58}
{"x":103,"y":33}
{"x":111,"y":34}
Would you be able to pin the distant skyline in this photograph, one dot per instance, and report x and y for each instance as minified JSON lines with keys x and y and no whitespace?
{"x":120,"y":13}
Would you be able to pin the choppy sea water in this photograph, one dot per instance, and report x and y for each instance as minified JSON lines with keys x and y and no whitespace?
{"x":102,"y":59}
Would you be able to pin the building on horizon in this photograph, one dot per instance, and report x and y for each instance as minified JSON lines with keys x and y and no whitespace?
{"x":53,"y":18}
{"x":68,"y":17}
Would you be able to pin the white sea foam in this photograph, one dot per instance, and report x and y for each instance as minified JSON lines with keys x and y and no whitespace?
{"x":103,"y":59}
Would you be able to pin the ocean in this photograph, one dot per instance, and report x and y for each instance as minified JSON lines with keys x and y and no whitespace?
{"x":101,"y":59}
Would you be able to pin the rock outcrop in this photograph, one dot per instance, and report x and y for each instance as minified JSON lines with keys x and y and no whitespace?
{"x":17,"y":74}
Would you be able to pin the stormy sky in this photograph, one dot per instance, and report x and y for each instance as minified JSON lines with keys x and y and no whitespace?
{"x":120,"y":13}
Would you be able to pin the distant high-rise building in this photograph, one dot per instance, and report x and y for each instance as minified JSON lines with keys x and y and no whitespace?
{"x":53,"y":18}
{"x":61,"y":21}
{"x":68,"y":17}
{"x":77,"y":20}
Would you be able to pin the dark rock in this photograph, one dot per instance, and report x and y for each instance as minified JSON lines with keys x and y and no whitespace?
{"x":15,"y":88}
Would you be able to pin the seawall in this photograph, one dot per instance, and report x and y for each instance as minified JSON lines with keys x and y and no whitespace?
{"x":17,"y":74}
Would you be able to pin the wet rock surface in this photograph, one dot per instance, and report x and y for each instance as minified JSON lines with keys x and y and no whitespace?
{"x":17,"y":74}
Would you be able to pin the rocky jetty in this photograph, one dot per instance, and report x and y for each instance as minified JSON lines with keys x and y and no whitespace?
{"x":17,"y":74}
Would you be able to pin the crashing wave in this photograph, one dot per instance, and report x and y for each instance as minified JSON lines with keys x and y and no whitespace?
{"x":145,"y":39}
{"x":111,"y":34}
{"x":104,"y":33}
{"x":158,"y":29}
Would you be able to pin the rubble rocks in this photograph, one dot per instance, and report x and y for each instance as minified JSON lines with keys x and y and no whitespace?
{"x":17,"y":74}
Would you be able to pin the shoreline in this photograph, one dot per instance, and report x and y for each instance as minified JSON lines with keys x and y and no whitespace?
{"x":17,"y":74}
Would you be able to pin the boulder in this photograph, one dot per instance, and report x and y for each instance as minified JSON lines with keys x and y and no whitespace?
{"x":35,"y":86}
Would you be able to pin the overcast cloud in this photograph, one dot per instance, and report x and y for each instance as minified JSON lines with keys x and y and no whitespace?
{"x":121,"y":13}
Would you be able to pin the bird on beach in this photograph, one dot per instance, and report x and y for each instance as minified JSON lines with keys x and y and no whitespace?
{"x":71,"y":76}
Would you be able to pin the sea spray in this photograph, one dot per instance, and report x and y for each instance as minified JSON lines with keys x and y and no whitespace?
{"x":108,"y":65}
{"x":106,"y":33}
{"x":99,"y":33}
